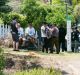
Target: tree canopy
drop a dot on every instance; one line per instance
(4, 7)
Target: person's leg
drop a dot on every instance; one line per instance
(72, 46)
(14, 45)
(17, 45)
(51, 45)
(14, 42)
(57, 45)
(17, 41)
(43, 41)
(46, 44)
(60, 44)
(63, 45)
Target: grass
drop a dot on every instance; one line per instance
(39, 71)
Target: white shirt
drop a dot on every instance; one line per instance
(30, 31)
(43, 34)
(20, 31)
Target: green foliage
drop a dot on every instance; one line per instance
(7, 18)
(3, 7)
(2, 61)
(1, 21)
(58, 15)
(34, 12)
(38, 12)
(40, 72)
(77, 10)
(77, 13)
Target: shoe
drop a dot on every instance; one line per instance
(57, 53)
(15, 50)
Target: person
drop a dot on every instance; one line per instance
(14, 32)
(44, 37)
(62, 41)
(20, 30)
(21, 34)
(55, 38)
(75, 39)
(30, 31)
(49, 30)
(30, 34)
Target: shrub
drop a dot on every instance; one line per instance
(7, 18)
(1, 21)
(77, 13)
(40, 71)
(2, 61)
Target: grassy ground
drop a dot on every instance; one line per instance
(47, 60)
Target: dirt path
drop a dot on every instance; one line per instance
(68, 63)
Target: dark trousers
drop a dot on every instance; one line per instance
(45, 44)
(62, 42)
(55, 41)
(75, 45)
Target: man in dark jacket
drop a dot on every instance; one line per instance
(62, 34)
(75, 39)
(55, 38)
(14, 32)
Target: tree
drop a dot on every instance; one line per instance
(4, 8)
(34, 12)
(77, 13)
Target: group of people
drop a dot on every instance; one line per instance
(19, 36)
(52, 37)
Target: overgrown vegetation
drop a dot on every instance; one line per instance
(4, 8)
(7, 18)
(2, 61)
(40, 71)
(36, 11)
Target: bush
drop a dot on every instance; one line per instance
(34, 12)
(40, 71)
(1, 21)
(77, 13)
(2, 61)
(7, 18)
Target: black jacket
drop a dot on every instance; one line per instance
(75, 35)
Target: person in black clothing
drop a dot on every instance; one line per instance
(14, 32)
(75, 39)
(62, 34)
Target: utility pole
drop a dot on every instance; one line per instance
(68, 20)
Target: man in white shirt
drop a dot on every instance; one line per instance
(30, 35)
(30, 31)
(44, 37)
